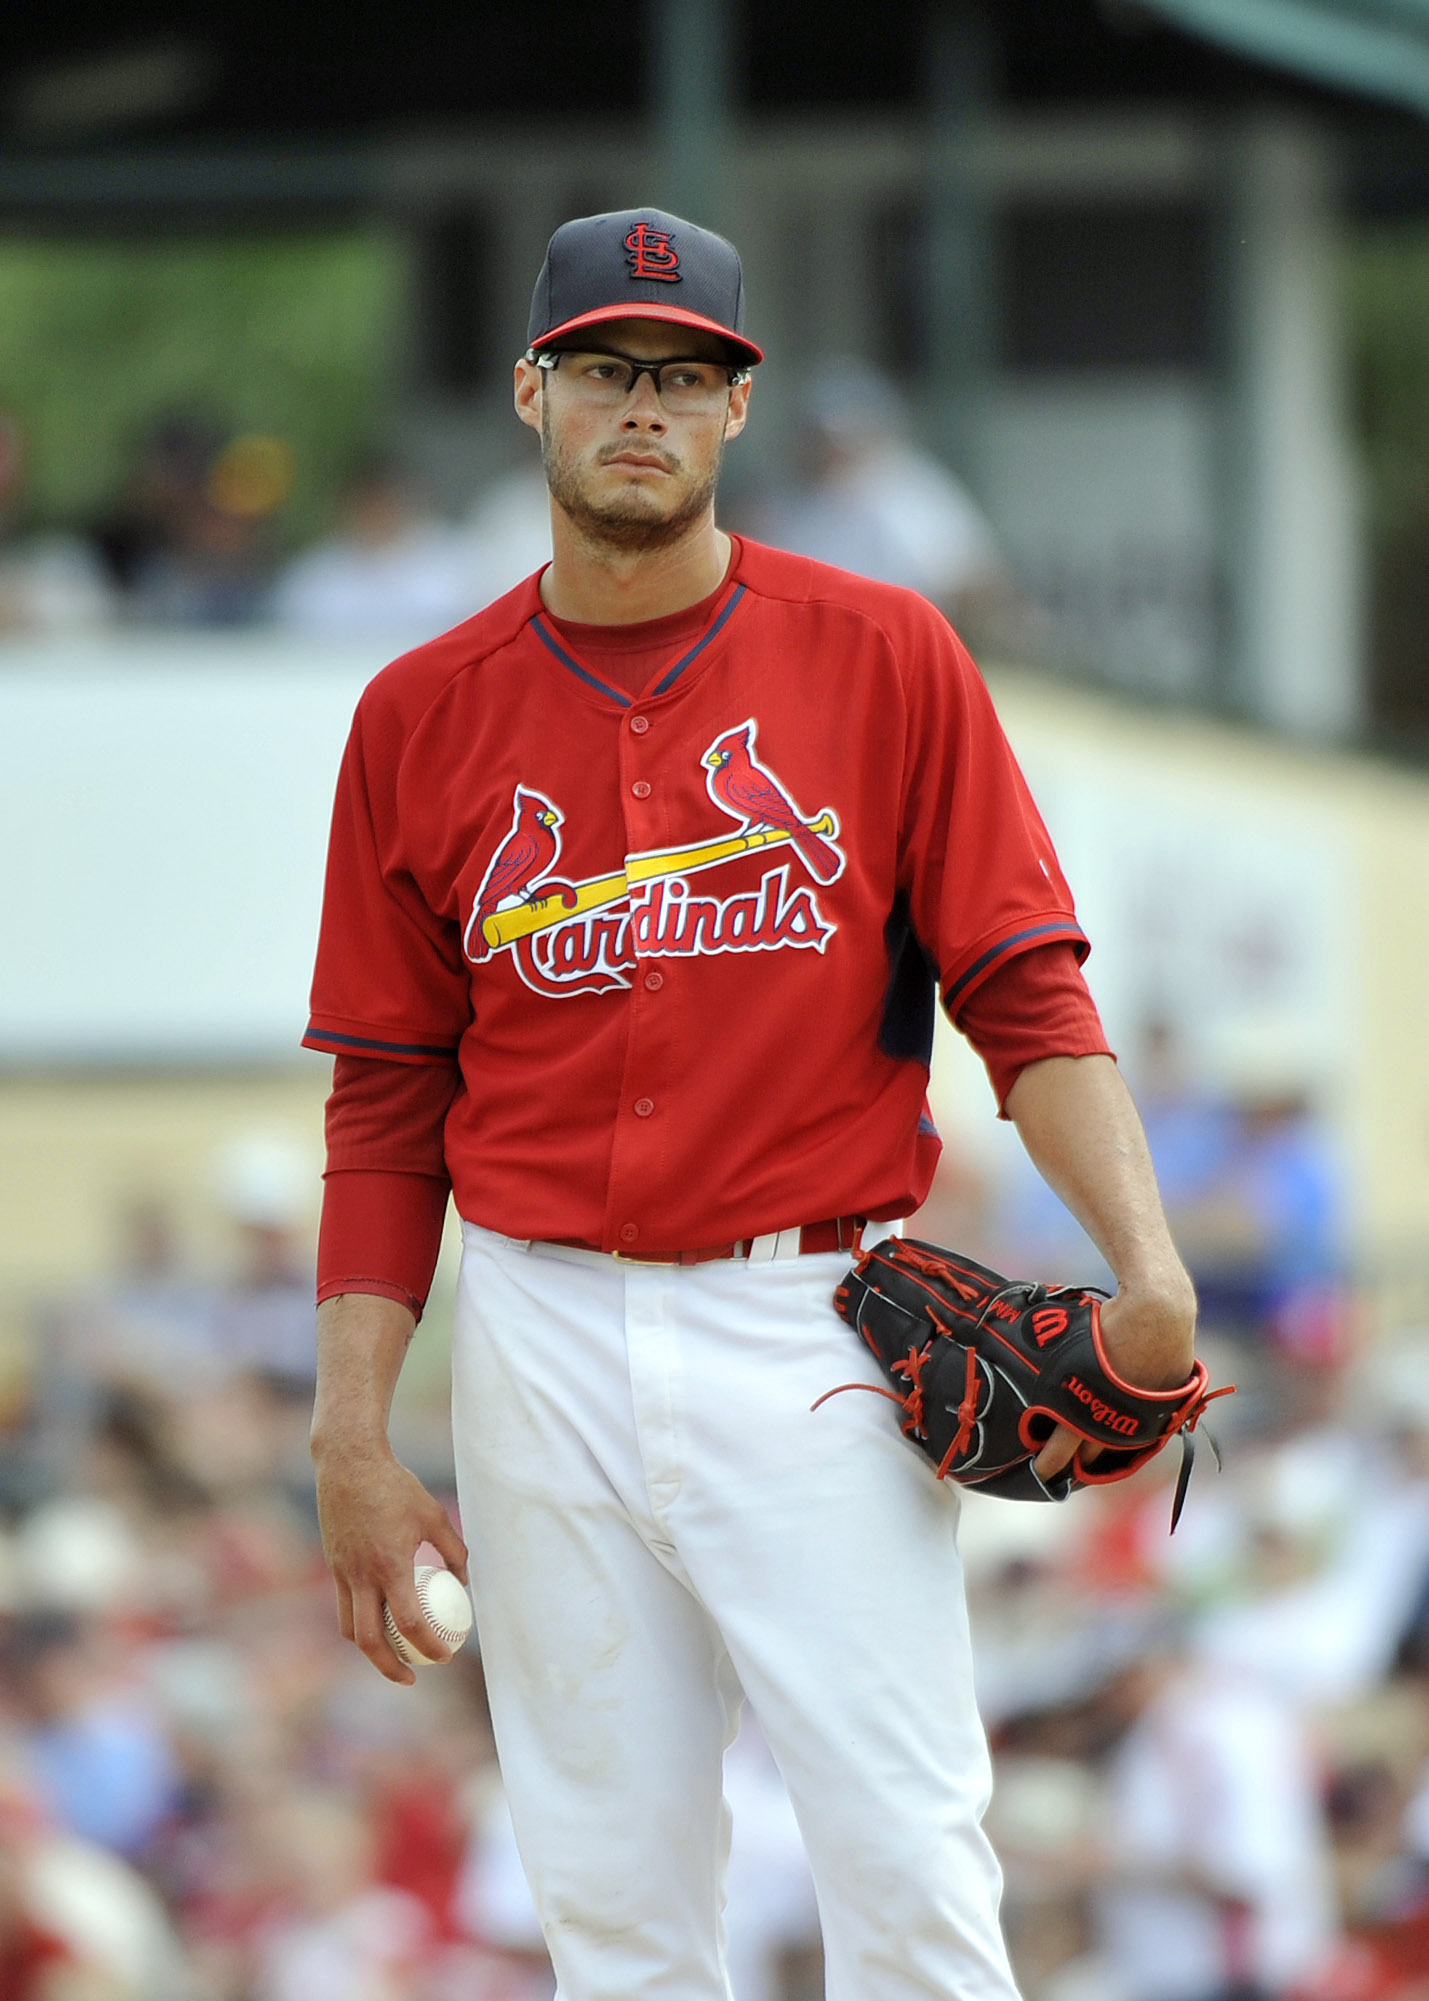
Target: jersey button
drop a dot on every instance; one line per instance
(644, 1107)
(641, 788)
(629, 1232)
(639, 725)
(654, 982)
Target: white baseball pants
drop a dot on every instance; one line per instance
(657, 1524)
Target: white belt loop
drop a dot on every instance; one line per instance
(776, 1246)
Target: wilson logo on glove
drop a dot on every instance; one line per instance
(1104, 1413)
(962, 1349)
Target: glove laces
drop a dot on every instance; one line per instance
(911, 1403)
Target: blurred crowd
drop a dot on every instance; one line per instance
(196, 538)
(1212, 1750)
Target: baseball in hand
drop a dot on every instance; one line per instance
(446, 1607)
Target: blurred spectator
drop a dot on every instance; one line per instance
(392, 565)
(494, 1906)
(48, 582)
(164, 483)
(189, 542)
(1188, 1127)
(1263, 1229)
(36, 1962)
(508, 534)
(1335, 1545)
(1253, 1186)
(1046, 1819)
(265, 1318)
(157, 1327)
(76, 1924)
(1217, 1878)
(93, 1738)
(870, 500)
(337, 1934)
(147, 1322)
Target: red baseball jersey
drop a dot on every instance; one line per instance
(685, 943)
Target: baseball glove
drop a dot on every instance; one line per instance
(983, 1369)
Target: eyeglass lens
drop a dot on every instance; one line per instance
(679, 384)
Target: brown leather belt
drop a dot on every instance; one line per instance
(838, 1233)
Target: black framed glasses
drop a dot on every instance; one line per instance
(605, 377)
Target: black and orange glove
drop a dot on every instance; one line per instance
(984, 1368)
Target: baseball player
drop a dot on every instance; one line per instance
(643, 884)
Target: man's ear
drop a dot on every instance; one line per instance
(529, 387)
(738, 410)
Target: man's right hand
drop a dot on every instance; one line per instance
(374, 1514)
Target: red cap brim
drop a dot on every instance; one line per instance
(674, 315)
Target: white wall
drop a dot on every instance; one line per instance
(164, 808)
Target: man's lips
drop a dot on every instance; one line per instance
(639, 462)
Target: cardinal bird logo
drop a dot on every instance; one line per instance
(525, 858)
(749, 792)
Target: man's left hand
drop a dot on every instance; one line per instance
(1149, 1339)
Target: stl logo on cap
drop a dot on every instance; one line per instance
(651, 254)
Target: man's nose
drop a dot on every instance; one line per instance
(645, 411)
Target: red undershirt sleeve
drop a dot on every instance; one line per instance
(386, 1185)
(1035, 1004)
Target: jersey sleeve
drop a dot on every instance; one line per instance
(1032, 1005)
(390, 979)
(982, 878)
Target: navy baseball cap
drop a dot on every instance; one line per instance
(640, 264)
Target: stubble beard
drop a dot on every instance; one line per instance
(627, 523)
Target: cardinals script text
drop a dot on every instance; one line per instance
(588, 937)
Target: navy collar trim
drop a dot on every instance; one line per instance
(549, 640)
(667, 680)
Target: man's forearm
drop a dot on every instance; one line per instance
(1084, 1135)
(362, 1343)
(373, 1513)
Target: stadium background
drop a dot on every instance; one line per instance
(1153, 281)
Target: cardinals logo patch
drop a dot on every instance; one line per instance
(587, 936)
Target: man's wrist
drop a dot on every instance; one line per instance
(1165, 1307)
(1158, 1283)
(348, 1438)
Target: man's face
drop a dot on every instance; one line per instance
(635, 475)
